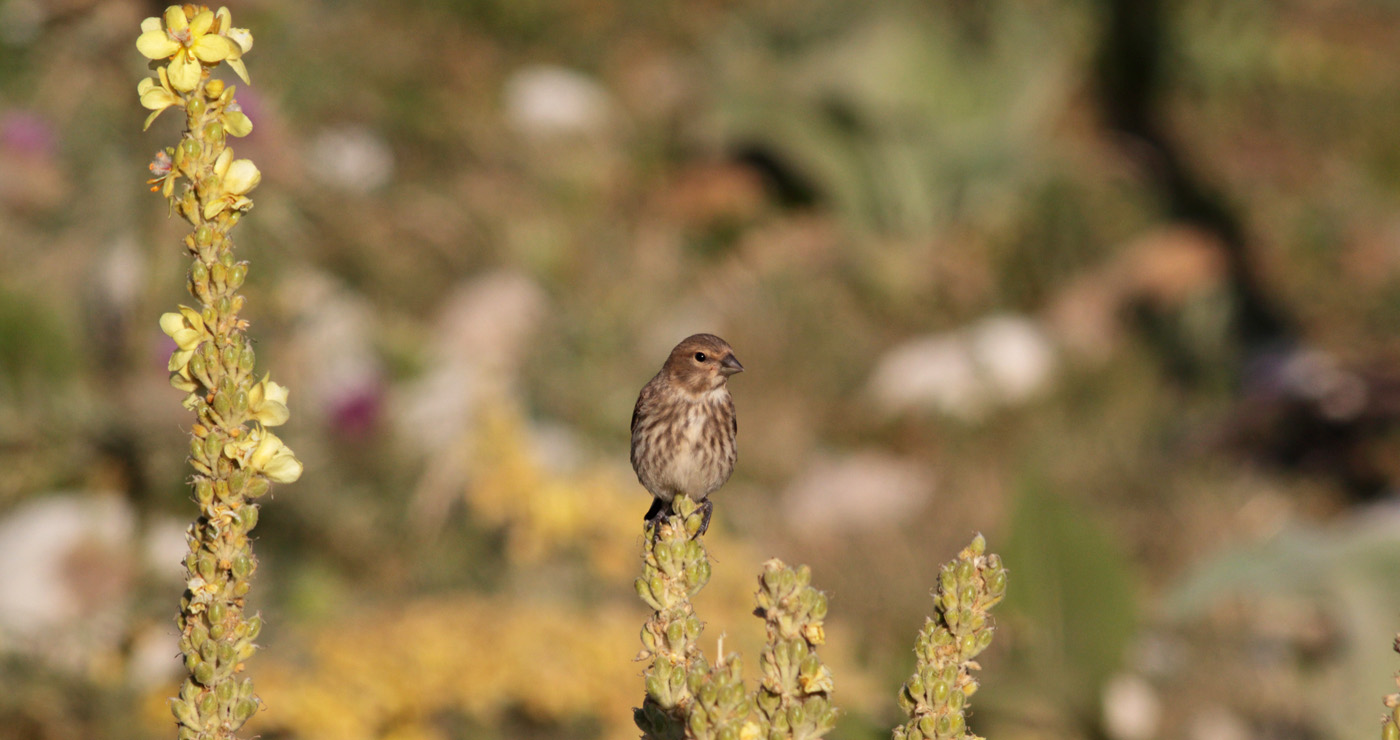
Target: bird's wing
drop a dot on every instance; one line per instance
(644, 400)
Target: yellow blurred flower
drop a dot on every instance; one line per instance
(156, 95)
(274, 459)
(188, 330)
(236, 178)
(267, 402)
(235, 121)
(242, 41)
(186, 42)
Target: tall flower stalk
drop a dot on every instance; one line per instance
(935, 697)
(234, 455)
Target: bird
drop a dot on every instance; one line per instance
(684, 426)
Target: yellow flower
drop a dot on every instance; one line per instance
(186, 42)
(236, 178)
(242, 44)
(156, 96)
(188, 330)
(235, 121)
(275, 460)
(267, 402)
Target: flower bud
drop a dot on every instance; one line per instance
(214, 133)
(204, 671)
(220, 274)
(184, 712)
(257, 487)
(245, 709)
(249, 517)
(214, 88)
(221, 406)
(204, 490)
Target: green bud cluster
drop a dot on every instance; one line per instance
(675, 568)
(935, 697)
(721, 702)
(794, 695)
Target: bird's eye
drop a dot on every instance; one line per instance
(699, 356)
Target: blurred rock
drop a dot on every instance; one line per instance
(351, 159)
(1000, 360)
(865, 490)
(549, 102)
(1132, 710)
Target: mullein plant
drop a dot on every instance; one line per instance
(234, 454)
(1390, 721)
(686, 698)
(935, 697)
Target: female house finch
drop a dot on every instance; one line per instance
(683, 427)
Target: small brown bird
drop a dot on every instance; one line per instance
(683, 427)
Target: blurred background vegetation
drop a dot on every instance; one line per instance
(1116, 282)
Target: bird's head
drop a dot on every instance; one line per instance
(702, 363)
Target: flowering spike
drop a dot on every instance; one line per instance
(234, 456)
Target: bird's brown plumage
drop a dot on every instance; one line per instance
(684, 426)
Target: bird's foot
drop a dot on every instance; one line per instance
(708, 507)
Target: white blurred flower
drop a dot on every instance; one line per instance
(544, 102)
(1131, 708)
(859, 491)
(997, 361)
(351, 159)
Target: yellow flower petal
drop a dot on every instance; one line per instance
(221, 164)
(236, 123)
(185, 384)
(241, 177)
(274, 391)
(180, 361)
(240, 36)
(150, 24)
(214, 208)
(201, 23)
(156, 44)
(185, 73)
(284, 468)
(175, 18)
(275, 460)
(273, 414)
(151, 119)
(237, 65)
(171, 323)
(154, 97)
(212, 48)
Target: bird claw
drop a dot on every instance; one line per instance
(708, 507)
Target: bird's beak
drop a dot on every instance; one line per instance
(730, 365)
